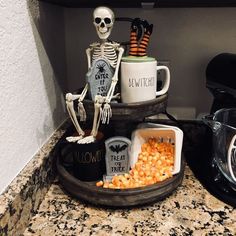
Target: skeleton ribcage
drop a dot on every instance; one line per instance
(107, 52)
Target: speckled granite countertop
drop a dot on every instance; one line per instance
(190, 210)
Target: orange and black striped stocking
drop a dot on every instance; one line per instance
(142, 50)
(133, 49)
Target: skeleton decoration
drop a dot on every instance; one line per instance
(103, 65)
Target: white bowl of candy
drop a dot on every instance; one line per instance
(158, 145)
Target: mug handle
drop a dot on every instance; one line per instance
(167, 80)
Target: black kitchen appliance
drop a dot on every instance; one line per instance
(221, 81)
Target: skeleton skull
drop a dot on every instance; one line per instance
(103, 20)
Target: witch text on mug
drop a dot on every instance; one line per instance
(141, 82)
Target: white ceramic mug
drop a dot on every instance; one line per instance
(139, 81)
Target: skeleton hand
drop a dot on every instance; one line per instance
(81, 111)
(106, 113)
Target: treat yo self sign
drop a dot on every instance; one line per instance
(117, 155)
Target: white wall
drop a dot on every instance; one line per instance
(188, 37)
(32, 69)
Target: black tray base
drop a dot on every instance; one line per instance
(118, 198)
(112, 198)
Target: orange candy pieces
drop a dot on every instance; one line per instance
(155, 164)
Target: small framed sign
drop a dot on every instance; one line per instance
(117, 155)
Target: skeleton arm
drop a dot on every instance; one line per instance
(81, 110)
(88, 53)
(107, 113)
(84, 92)
(71, 97)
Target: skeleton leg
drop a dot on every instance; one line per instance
(97, 114)
(70, 108)
(81, 110)
(107, 112)
(96, 120)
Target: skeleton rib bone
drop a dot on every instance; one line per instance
(108, 51)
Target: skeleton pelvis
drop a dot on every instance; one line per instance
(99, 77)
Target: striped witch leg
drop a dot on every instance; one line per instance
(133, 49)
(142, 50)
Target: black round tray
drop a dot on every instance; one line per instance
(122, 113)
(89, 192)
(131, 111)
